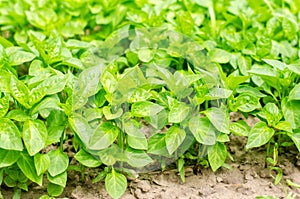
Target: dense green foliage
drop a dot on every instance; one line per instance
(98, 72)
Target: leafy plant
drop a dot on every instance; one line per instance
(142, 84)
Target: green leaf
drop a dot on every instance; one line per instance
(159, 120)
(174, 138)
(19, 91)
(239, 128)
(145, 108)
(115, 184)
(109, 115)
(157, 145)
(145, 54)
(18, 115)
(259, 135)
(275, 63)
(54, 189)
(34, 136)
(220, 56)
(59, 162)
(81, 127)
(178, 112)
(8, 157)
(291, 112)
(104, 135)
(41, 163)
(56, 123)
(137, 158)
(26, 164)
(87, 86)
(296, 139)
(4, 105)
(46, 105)
(218, 93)
(247, 103)
(284, 126)
(60, 179)
(17, 56)
(217, 155)
(135, 137)
(86, 159)
(203, 130)
(50, 86)
(273, 115)
(10, 136)
(109, 156)
(219, 118)
(295, 93)
(250, 90)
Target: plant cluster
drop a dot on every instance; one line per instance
(139, 84)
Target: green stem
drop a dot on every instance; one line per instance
(212, 19)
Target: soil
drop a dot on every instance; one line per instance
(248, 177)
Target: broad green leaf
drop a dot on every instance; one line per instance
(86, 159)
(81, 127)
(239, 128)
(60, 179)
(219, 118)
(19, 91)
(247, 103)
(145, 55)
(145, 108)
(41, 163)
(294, 68)
(86, 86)
(109, 82)
(17, 56)
(137, 158)
(8, 157)
(139, 94)
(135, 137)
(115, 184)
(50, 86)
(34, 136)
(157, 145)
(174, 138)
(159, 120)
(222, 137)
(4, 105)
(273, 115)
(295, 93)
(284, 126)
(178, 112)
(56, 124)
(26, 164)
(291, 112)
(203, 130)
(10, 136)
(18, 115)
(59, 162)
(104, 135)
(109, 115)
(217, 155)
(54, 189)
(109, 156)
(220, 56)
(234, 81)
(275, 63)
(46, 105)
(250, 90)
(296, 139)
(218, 93)
(259, 135)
